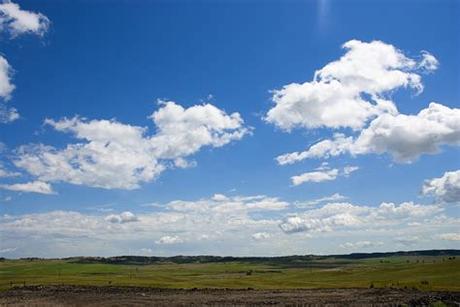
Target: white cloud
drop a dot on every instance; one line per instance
(219, 197)
(450, 236)
(404, 137)
(169, 240)
(322, 174)
(324, 149)
(316, 176)
(347, 170)
(360, 245)
(7, 114)
(350, 91)
(428, 62)
(223, 204)
(6, 87)
(222, 227)
(332, 198)
(7, 250)
(336, 216)
(445, 188)
(18, 21)
(29, 187)
(124, 217)
(5, 173)
(259, 236)
(115, 155)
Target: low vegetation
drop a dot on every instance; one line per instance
(435, 271)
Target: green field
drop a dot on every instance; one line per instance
(422, 272)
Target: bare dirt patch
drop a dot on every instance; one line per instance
(136, 296)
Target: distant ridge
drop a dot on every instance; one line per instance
(291, 260)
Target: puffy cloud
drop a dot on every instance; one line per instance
(116, 155)
(450, 236)
(222, 227)
(323, 174)
(316, 176)
(335, 216)
(6, 87)
(219, 197)
(213, 226)
(428, 62)
(182, 132)
(445, 188)
(7, 114)
(124, 217)
(324, 149)
(404, 210)
(350, 91)
(169, 240)
(404, 137)
(30, 187)
(360, 245)
(259, 236)
(18, 21)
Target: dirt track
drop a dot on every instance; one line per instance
(133, 296)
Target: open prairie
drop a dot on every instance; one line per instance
(186, 280)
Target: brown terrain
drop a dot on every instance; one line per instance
(136, 296)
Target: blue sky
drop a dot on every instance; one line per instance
(197, 64)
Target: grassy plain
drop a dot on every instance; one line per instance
(421, 272)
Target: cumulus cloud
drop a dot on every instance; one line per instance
(221, 227)
(445, 188)
(116, 155)
(169, 240)
(404, 137)
(18, 21)
(7, 114)
(124, 217)
(316, 176)
(350, 91)
(336, 216)
(6, 87)
(323, 174)
(29, 187)
(428, 62)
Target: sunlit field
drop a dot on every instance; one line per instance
(425, 273)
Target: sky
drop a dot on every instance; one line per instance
(228, 127)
